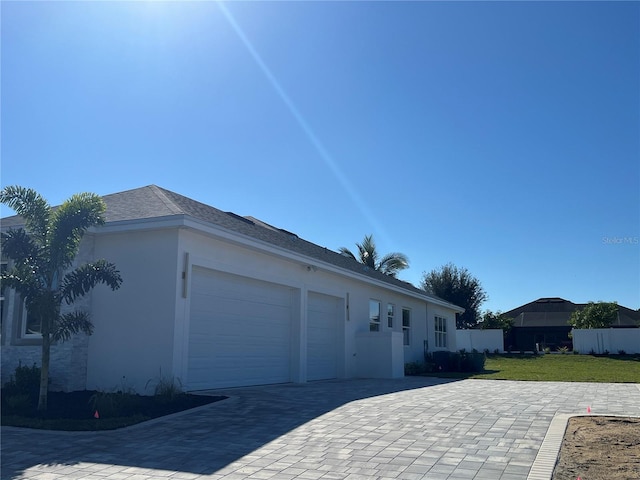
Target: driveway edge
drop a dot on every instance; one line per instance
(547, 457)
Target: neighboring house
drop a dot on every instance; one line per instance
(219, 300)
(545, 322)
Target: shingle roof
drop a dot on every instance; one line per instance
(155, 202)
(555, 312)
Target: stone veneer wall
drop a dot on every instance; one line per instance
(68, 365)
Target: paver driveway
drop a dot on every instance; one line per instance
(409, 428)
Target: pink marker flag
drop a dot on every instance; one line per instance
(588, 411)
(96, 415)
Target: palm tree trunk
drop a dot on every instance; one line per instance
(44, 372)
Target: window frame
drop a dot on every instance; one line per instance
(24, 323)
(374, 320)
(440, 328)
(391, 313)
(406, 326)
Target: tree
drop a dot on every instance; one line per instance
(368, 255)
(42, 256)
(496, 320)
(595, 315)
(458, 286)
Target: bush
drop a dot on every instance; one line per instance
(18, 404)
(165, 387)
(461, 361)
(472, 362)
(25, 380)
(563, 350)
(413, 368)
(20, 393)
(113, 404)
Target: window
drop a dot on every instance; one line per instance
(406, 326)
(374, 316)
(29, 327)
(391, 311)
(441, 332)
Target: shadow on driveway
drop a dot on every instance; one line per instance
(199, 442)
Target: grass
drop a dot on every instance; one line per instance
(75, 410)
(557, 368)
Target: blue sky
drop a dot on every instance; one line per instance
(502, 136)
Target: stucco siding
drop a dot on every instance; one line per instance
(134, 326)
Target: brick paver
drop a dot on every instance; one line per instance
(411, 428)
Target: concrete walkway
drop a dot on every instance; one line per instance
(358, 429)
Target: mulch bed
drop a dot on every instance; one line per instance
(91, 410)
(600, 448)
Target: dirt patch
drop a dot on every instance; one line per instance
(600, 448)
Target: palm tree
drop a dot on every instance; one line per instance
(42, 255)
(389, 264)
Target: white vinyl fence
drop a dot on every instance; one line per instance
(480, 340)
(601, 340)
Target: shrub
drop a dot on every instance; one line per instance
(113, 404)
(563, 350)
(24, 381)
(18, 404)
(496, 351)
(413, 368)
(621, 352)
(547, 350)
(472, 362)
(165, 387)
(576, 352)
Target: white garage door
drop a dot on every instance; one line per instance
(239, 332)
(322, 336)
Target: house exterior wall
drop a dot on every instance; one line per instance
(196, 248)
(142, 329)
(132, 344)
(68, 360)
(450, 317)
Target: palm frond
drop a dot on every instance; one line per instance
(392, 263)
(347, 253)
(368, 252)
(70, 222)
(31, 206)
(20, 247)
(70, 324)
(78, 282)
(21, 280)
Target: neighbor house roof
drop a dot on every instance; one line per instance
(153, 202)
(555, 312)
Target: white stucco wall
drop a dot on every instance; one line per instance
(612, 340)
(480, 340)
(206, 251)
(134, 326)
(142, 329)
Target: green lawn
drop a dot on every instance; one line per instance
(558, 368)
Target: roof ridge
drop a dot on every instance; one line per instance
(170, 204)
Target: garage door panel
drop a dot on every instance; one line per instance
(323, 320)
(240, 331)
